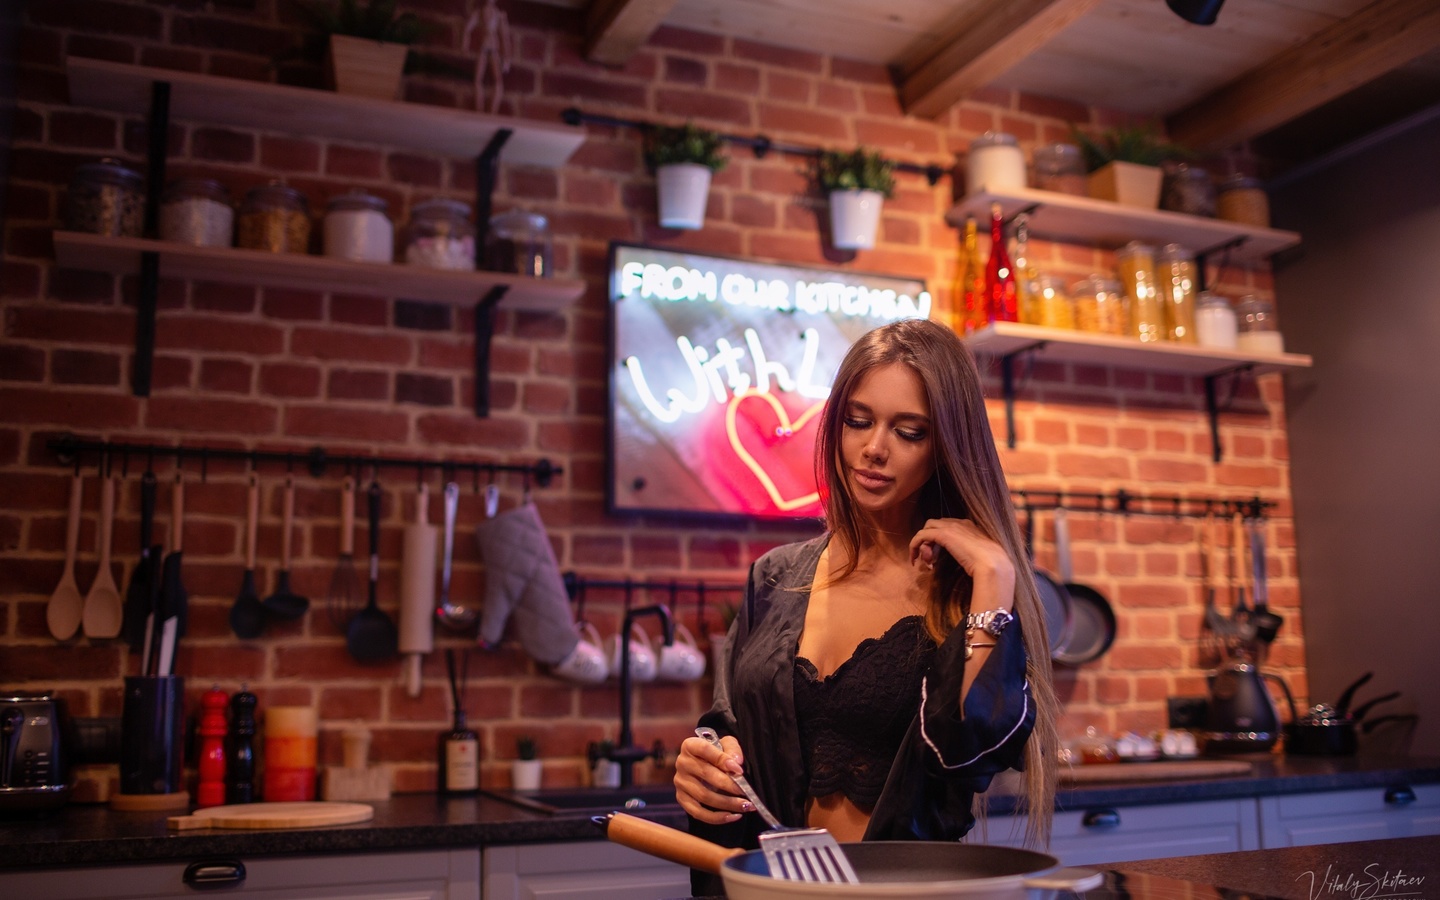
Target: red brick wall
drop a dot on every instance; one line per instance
(266, 368)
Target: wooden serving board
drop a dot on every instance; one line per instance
(306, 814)
(1161, 770)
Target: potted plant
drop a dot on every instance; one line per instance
(683, 157)
(368, 44)
(1124, 164)
(526, 767)
(858, 183)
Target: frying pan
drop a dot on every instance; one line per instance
(916, 870)
(1053, 598)
(1093, 628)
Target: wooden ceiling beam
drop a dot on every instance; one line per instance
(980, 48)
(615, 29)
(1381, 37)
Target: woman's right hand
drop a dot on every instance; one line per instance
(702, 780)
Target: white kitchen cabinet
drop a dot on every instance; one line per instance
(581, 870)
(1117, 834)
(420, 875)
(1365, 814)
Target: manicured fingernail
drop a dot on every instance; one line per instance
(747, 806)
(733, 817)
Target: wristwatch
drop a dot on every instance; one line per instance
(991, 621)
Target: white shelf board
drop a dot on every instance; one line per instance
(307, 112)
(1060, 345)
(1066, 217)
(121, 256)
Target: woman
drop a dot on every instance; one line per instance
(879, 676)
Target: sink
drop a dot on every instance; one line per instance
(591, 801)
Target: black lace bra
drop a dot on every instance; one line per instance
(852, 722)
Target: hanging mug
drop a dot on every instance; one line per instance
(586, 663)
(642, 659)
(682, 660)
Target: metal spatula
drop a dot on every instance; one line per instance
(793, 854)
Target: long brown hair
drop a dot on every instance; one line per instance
(968, 483)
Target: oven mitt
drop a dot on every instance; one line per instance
(523, 578)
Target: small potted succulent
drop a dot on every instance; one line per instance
(525, 769)
(368, 43)
(1124, 164)
(858, 183)
(683, 158)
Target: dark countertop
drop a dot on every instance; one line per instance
(96, 835)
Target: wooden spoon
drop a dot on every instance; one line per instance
(63, 612)
(104, 607)
(247, 616)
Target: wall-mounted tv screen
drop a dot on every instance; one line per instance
(719, 368)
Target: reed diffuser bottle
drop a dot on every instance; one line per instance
(459, 763)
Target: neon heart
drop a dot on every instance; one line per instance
(785, 430)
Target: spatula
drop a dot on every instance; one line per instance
(247, 615)
(137, 596)
(104, 608)
(62, 613)
(284, 602)
(371, 636)
(793, 854)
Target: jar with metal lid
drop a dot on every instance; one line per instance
(1243, 200)
(1175, 277)
(1214, 321)
(1051, 302)
(197, 211)
(1100, 306)
(1059, 167)
(106, 198)
(995, 164)
(276, 218)
(357, 228)
(1187, 189)
(440, 236)
(1255, 321)
(519, 242)
(1135, 263)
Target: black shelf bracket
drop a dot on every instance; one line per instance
(484, 331)
(487, 167)
(1212, 406)
(142, 366)
(1007, 387)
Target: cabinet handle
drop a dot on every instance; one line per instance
(1101, 818)
(1404, 795)
(214, 873)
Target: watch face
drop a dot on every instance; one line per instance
(998, 620)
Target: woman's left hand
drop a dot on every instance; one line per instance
(983, 559)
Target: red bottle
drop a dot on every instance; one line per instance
(1000, 301)
(211, 789)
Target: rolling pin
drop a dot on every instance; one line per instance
(417, 592)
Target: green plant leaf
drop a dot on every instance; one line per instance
(855, 170)
(689, 143)
(1140, 144)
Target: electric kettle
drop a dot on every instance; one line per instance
(1242, 717)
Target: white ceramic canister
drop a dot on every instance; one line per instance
(357, 228)
(995, 164)
(1215, 321)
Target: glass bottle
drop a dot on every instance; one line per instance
(1135, 263)
(999, 275)
(1024, 273)
(973, 297)
(1175, 275)
(459, 769)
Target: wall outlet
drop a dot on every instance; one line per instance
(1187, 712)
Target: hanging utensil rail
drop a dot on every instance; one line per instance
(1125, 503)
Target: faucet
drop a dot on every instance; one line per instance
(625, 752)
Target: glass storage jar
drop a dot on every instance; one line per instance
(1100, 306)
(1135, 263)
(1255, 321)
(519, 242)
(106, 198)
(1060, 167)
(440, 236)
(1051, 302)
(995, 164)
(1214, 321)
(274, 217)
(1175, 276)
(1243, 200)
(357, 228)
(1187, 189)
(197, 211)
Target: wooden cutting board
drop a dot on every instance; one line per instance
(1100, 773)
(307, 814)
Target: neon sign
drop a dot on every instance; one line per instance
(720, 369)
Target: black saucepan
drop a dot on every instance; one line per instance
(1093, 629)
(1053, 598)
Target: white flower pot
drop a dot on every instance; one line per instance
(683, 190)
(525, 774)
(367, 68)
(854, 216)
(1127, 184)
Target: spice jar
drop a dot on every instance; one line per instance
(196, 211)
(1255, 320)
(1051, 302)
(1242, 200)
(276, 218)
(995, 164)
(440, 236)
(1061, 168)
(1214, 321)
(1135, 262)
(1175, 277)
(1100, 306)
(1187, 189)
(357, 228)
(518, 242)
(106, 198)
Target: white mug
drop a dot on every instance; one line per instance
(642, 659)
(682, 660)
(586, 663)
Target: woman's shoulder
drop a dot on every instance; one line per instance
(789, 565)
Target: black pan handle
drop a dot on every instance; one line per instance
(214, 873)
(1101, 818)
(1362, 709)
(1400, 795)
(1342, 706)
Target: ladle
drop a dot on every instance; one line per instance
(247, 616)
(285, 603)
(371, 636)
(67, 604)
(104, 607)
(452, 615)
